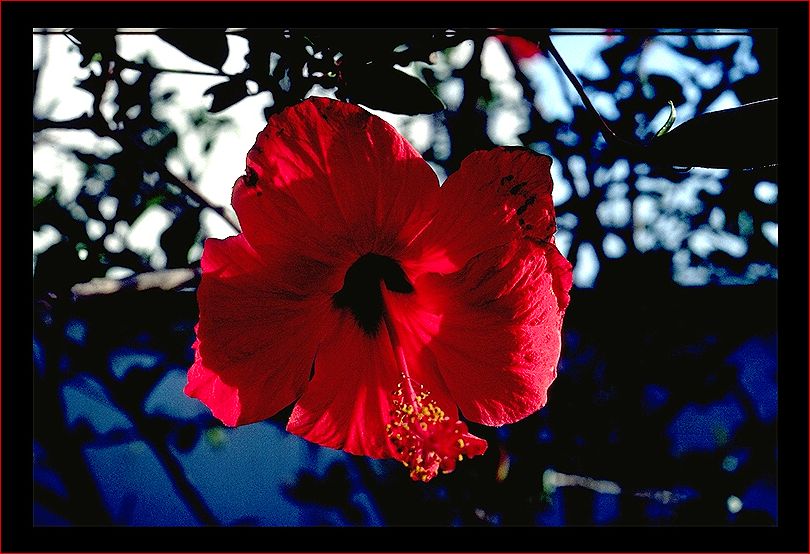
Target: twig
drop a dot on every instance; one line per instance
(606, 130)
(185, 489)
(120, 395)
(167, 279)
(126, 64)
(554, 479)
(192, 193)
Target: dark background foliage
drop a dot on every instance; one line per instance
(665, 408)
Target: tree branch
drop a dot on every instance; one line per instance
(554, 479)
(606, 130)
(166, 279)
(99, 127)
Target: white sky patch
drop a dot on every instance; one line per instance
(144, 233)
(562, 239)
(562, 188)
(441, 174)
(108, 206)
(461, 55)
(60, 73)
(161, 53)
(495, 64)
(226, 160)
(46, 237)
(504, 126)
(116, 272)
(620, 172)
(567, 220)
(580, 53)
(643, 239)
(54, 165)
(771, 232)
(195, 253)
(83, 140)
(214, 226)
(766, 192)
(114, 243)
(717, 218)
(614, 212)
(238, 47)
(587, 266)
(660, 58)
(613, 246)
(419, 132)
(551, 99)
(95, 229)
(723, 102)
(734, 504)
(451, 92)
(671, 231)
(577, 166)
(731, 244)
(605, 104)
(700, 242)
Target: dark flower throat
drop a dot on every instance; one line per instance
(361, 293)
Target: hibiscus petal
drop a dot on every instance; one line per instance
(348, 403)
(495, 197)
(499, 340)
(325, 177)
(255, 341)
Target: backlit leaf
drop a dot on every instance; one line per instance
(741, 137)
(387, 88)
(226, 94)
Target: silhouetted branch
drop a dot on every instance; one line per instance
(606, 130)
(167, 279)
(126, 64)
(555, 479)
(99, 126)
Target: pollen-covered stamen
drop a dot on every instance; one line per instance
(425, 439)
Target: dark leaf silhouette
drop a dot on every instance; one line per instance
(741, 137)
(94, 41)
(724, 54)
(209, 46)
(665, 88)
(177, 240)
(617, 54)
(387, 88)
(226, 94)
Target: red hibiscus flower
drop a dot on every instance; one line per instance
(521, 48)
(377, 301)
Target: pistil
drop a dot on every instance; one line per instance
(425, 439)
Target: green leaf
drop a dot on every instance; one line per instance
(669, 122)
(209, 46)
(387, 88)
(737, 138)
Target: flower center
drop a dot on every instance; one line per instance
(361, 293)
